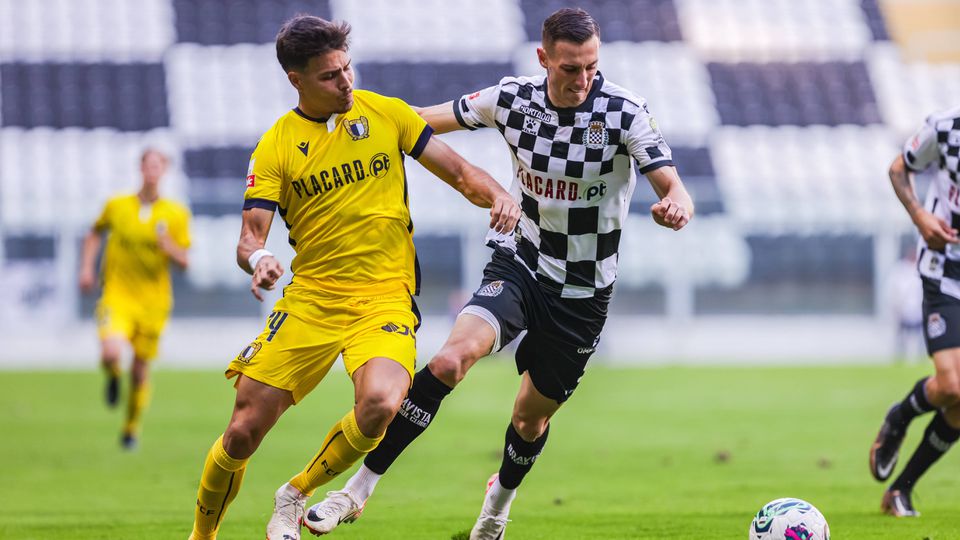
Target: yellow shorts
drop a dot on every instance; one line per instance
(128, 321)
(306, 333)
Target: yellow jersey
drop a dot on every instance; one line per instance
(134, 269)
(340, 186)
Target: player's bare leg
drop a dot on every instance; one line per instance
(380, 386)
(943, 392)
(929, 394)
(110, 350)
(526, 436)
(257, 408)
(137, 402)
(471, 339)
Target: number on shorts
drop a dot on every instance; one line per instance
(275, 320)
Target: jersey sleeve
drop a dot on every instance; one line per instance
(102, 224)
(478, 110)
(264, 175)
(920, 150)
(180, 228)
(414, 130)
(646, 144)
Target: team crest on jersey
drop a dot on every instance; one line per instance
(249, 352)
(359, 128)
(494, 288)
(936, 326)
(596, 136)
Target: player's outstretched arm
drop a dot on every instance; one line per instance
(251, 256)
(675, 208)
(934, 230)
(88, 260)
(178, 254)
(440, 117)
(474, 183)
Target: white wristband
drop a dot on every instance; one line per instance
(255, 258)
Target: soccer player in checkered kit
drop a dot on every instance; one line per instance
(937, 141)
(574, 137)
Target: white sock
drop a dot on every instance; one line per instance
(362, 483)
(498, 498)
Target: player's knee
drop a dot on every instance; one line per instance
(451, 363)
(241, 439)
(376, 409)
(529, 428)
(948, 388)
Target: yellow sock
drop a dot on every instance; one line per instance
(137, 403)
(219, 485)
(344, 445)
(113, 370)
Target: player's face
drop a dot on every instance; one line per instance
(325, 84)
(570, 70)
(153, 166)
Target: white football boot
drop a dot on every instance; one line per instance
(288, 506)
(491, 525)
(339, 507)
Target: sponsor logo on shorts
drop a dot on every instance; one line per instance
(936, 326)
(249, 352)
(394, 328)
(494, 288)
(586, 350)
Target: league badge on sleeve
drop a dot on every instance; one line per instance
(251, 178)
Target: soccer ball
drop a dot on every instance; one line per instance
(789, 519)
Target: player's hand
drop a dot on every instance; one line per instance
(504, 214)
(667, 213)
(934, 230)
(265, 276)
(87, 280)
(165, 242)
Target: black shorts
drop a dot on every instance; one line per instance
(941, 318)
(562, 333)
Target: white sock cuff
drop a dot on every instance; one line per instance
(362, 483)
(499, 498)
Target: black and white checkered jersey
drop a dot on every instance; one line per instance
(938, 141)
(574, 175)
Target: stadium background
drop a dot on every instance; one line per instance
(783, 115)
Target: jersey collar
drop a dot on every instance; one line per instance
(587, 104)
(330, 122)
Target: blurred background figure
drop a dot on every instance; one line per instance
(906, 301)
(145, 234)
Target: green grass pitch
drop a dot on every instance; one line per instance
(637, 453)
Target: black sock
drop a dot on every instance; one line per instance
(937, 439)
(519, 456)
(912, 406)
(415, 414)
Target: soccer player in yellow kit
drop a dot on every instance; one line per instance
(145, 233)
(333, 168)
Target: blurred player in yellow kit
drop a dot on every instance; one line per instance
(333, 167)
(145, 233)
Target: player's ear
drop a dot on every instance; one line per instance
(542, 57)
(294, 79)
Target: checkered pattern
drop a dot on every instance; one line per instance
(938, 141)
(574, 175)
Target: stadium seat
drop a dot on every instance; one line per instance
(429, 83)
(229, 22)
(765, 30)
(803, 93)
(473, 32)
(633, 20)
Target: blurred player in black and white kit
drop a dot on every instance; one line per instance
(937, 141)
(575, 138)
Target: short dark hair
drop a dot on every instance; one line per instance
(305, 36)
(151, 150)
(569, 24)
